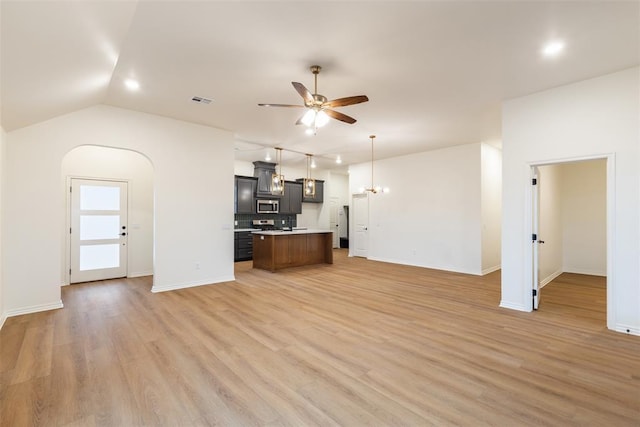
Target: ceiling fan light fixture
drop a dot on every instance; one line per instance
(321, 119)
(309, 118)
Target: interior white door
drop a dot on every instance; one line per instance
(98, 230)
(535, 238)
(333, 220)
(360, 205)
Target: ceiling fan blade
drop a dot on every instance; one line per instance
(339, 116)
(281, 105)
(304, 92)
(342, 102)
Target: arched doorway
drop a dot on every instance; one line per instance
(134, 171)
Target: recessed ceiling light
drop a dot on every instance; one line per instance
(553, 48)
(132, 84)
(338, 160)
(309, 131)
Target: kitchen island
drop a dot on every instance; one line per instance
(275, 250)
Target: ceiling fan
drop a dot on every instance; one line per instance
(319, 109)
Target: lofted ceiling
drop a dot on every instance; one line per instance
(435, 72)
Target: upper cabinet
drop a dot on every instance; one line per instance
(319, 196)
(291, 202)
(244, 195)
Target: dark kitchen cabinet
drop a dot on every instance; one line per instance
(245, 190)
(291, 202)
(243, 246)
(319, 197)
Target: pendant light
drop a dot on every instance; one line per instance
(277, 179)
(374, 189)
(309, 183)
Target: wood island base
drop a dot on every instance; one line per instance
(274, 251)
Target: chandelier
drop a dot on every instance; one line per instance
(374, 189)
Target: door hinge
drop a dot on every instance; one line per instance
(534, 181)
(534, 237)
(534, 292)
(69, 272)
(70, 189)
(69, 230)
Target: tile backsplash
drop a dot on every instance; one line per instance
(245, 220)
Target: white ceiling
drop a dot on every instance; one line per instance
(435, 72)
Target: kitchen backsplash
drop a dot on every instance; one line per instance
(245, 220)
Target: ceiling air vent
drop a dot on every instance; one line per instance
(201, 100)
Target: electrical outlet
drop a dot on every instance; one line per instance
(283, 222)
(235, 223)
(197, 266)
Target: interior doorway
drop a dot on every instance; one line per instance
(571, 205)
(360, 203)
(93, 164)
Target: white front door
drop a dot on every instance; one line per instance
(361, 225)
(98, 230)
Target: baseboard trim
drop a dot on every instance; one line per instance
(491, 269)
(411, 264)
(627, 329)
(585, 272)
(174, 287)
(140, 274)
(550, 278)
(513, 306)
(34, 309)
(3, 317)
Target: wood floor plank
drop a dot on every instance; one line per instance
(353, 343)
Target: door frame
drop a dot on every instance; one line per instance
(66, 278)
(611, 226)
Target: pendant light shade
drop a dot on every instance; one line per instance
(309, 183)
(277, 179)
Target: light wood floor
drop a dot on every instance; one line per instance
(354, 343)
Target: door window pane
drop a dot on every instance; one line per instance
(94, 257)
(99, 198)
(96, 227)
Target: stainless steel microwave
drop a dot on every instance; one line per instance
(267, 206)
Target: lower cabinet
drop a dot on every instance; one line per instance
(243, 246)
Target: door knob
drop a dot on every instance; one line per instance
(540, 241)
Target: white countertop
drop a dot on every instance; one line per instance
(244, 229)
(287, 233)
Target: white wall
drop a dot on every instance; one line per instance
(550, 223)
(432, 215)
(592, 118)
(584, 217)
(491, 206)
(3, 137)
(110, 163)
(193, 184)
